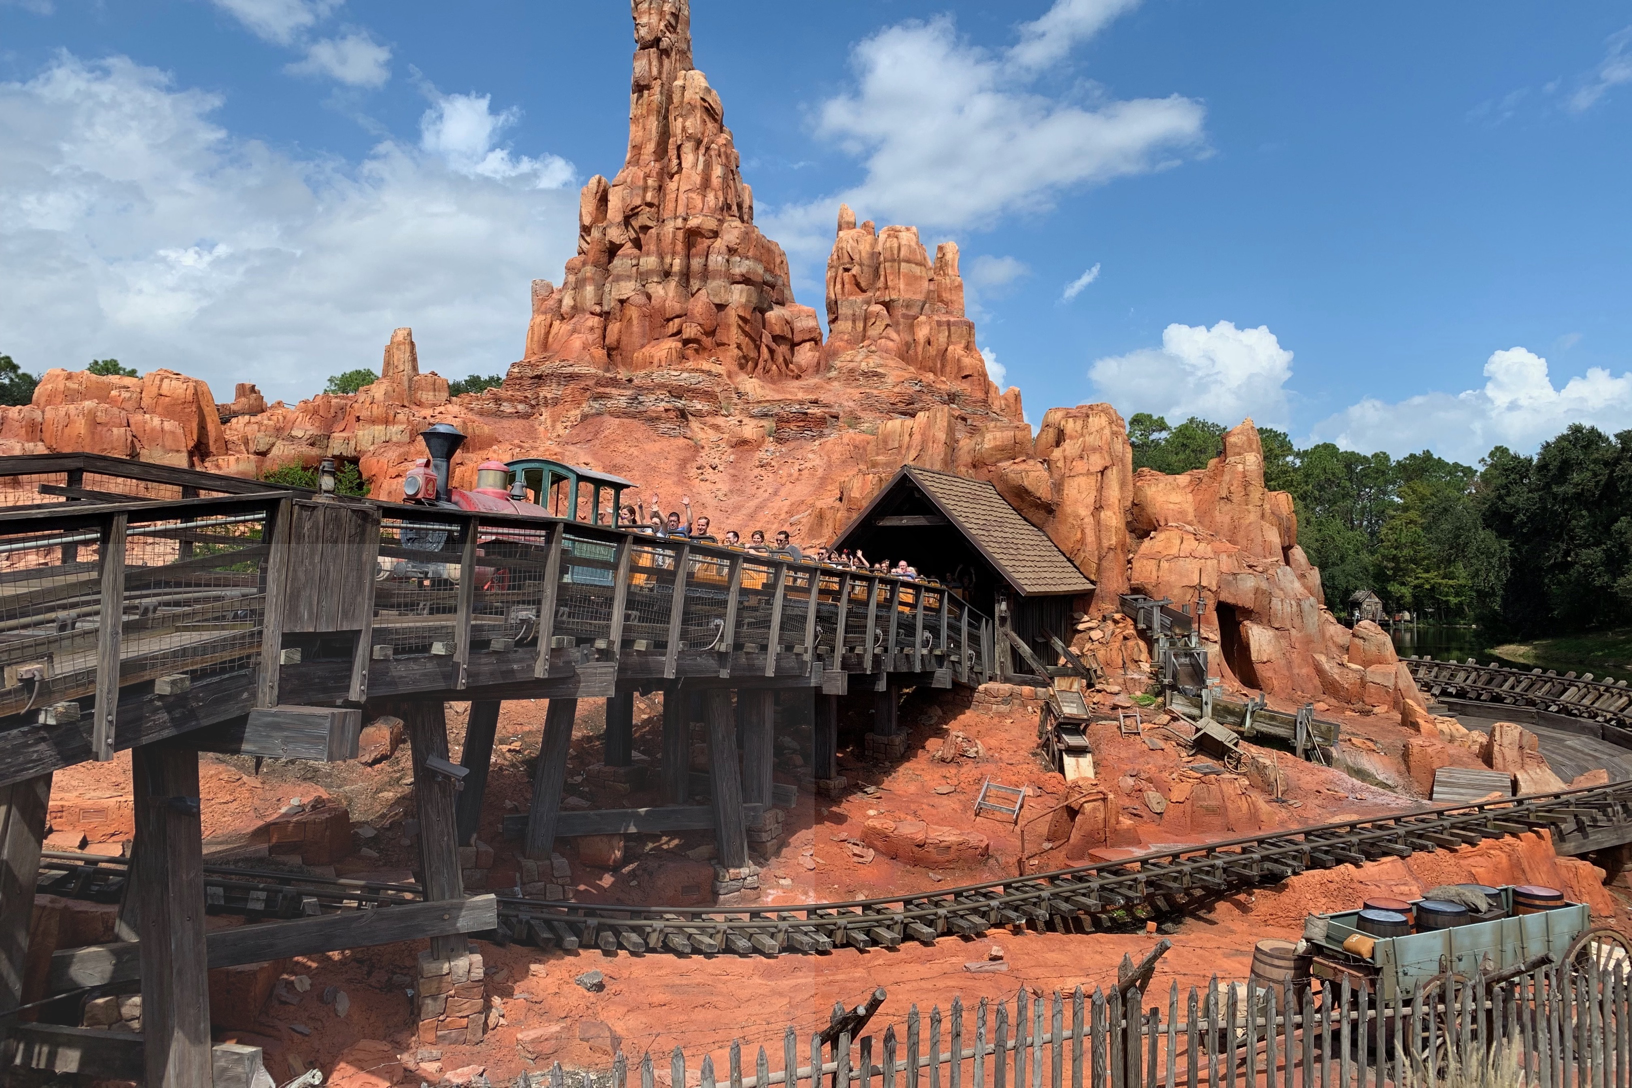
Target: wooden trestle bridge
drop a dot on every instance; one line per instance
(167, 611)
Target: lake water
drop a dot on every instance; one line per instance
(1461, 643)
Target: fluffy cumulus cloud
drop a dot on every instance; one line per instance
(951, 136)
(994, 369)
(1080, 284)
(1224, 374)
(354, 59)
(462, 129)
(278, 21)
(1615, 69)
(1518, 406)
(133, 225)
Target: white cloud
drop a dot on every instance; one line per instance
(278, 21)
(132, 225)
(1047, 40)
(1615, 69)
(355, 59)
(462, 129)
(1224, 374)
(994, 369)
(1518, 407)
(1080, 284)
(38, 7)
(952, 137)
(993, 272)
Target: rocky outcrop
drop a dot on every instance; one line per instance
(670, 267)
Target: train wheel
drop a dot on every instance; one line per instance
(1609, 947)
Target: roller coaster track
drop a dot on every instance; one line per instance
(1602, 700)
(1106, 895)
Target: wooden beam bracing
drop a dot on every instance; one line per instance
(550, 779)
(481, 727)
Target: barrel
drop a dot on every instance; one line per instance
(1383, 902)
(1533, 898)
(1438, 914)
(1383, 923)
(1278, 961)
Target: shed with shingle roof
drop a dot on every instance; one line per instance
(967, 534)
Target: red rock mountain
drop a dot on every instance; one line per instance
(674, 354)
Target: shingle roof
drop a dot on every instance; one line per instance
(1025, 555)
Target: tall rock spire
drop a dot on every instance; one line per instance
(670, 267)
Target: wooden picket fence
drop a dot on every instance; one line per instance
(1556, 1027)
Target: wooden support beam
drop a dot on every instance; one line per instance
(677, 611)
(759, 747)
(547, 598)
(811, 611)
(918, 628)
(427, 728)
(872, 625)
(620, 595)
(368, 554)
(117, 1055)
(619, 747)
(774, 635)
(730, 827)
(275, 579)
(23, 807)
(550, 779)
(109, 636)
(462, 632)
(844, 614)
(169, 869)
(728, 634)
(481, 726)
(675, 762)
(885, 710)
(895, 623)
(825, 738)
(322, 734)
(111, 964)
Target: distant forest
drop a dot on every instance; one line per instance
(1526, 546)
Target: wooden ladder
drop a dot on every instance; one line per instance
(1000, 800)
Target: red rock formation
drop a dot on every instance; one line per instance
(670, 267)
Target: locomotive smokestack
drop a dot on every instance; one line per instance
(442, 441)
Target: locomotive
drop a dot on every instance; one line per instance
(504, 488)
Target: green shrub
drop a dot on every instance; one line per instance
(476, 383)
(348, 478)
(16, 387)
(350, 381)
(110, 368)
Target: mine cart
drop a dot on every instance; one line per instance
(1063, 730)
(1393, 966)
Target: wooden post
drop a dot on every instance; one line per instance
(728, 634)
(480, 728)
(758, 750)
(774, 636)
(884, 711)
(918, 628)
(810, 616)
(550, 779)
(169, 871)
(619, 750)
(427, 728)
(825, 737)
(277, 574)
(112, 551)
(365, 636)
(677, 614)
(70, 552)
(546, 598)
(466, 604)
(844, 613)
(23, 808)
(872, 625)
(675, 766)
(620, 595)
(730, 830)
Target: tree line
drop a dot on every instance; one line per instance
(1523, 545)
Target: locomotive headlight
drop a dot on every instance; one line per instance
(411, 487)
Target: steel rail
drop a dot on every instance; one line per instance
(1602, 700)
(1097, 895)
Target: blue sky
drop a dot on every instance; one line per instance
(1395, 226)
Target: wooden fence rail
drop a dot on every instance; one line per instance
(1564, 1026)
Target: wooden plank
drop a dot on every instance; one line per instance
(728, 634)
(774, 635)
(758, 744)
(662, 820)
(427, 729)
(872, 625)
(1454, 784)
(810, 617)
(918, 632)
(895, 619)
(673, 766)
(620, 593)
(550, 779)
(23, 808)
(368, 557)
(677, 610)
(110, 636)
(481, 726)
(316, 733)
(111, 964)
(125, 469)
(467, 604)
(844, 614)
(730, 828)
(547, 599)
(108, 1055)
(169, 869)
(277, 574)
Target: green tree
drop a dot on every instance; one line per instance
(16, 387)
(474, 384)
(110, 368)
(350, 381)
(1170, 449)
(348, 478)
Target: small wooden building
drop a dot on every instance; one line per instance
(1365, 605)
(964, 533)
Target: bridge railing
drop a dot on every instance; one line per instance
(451, 581)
